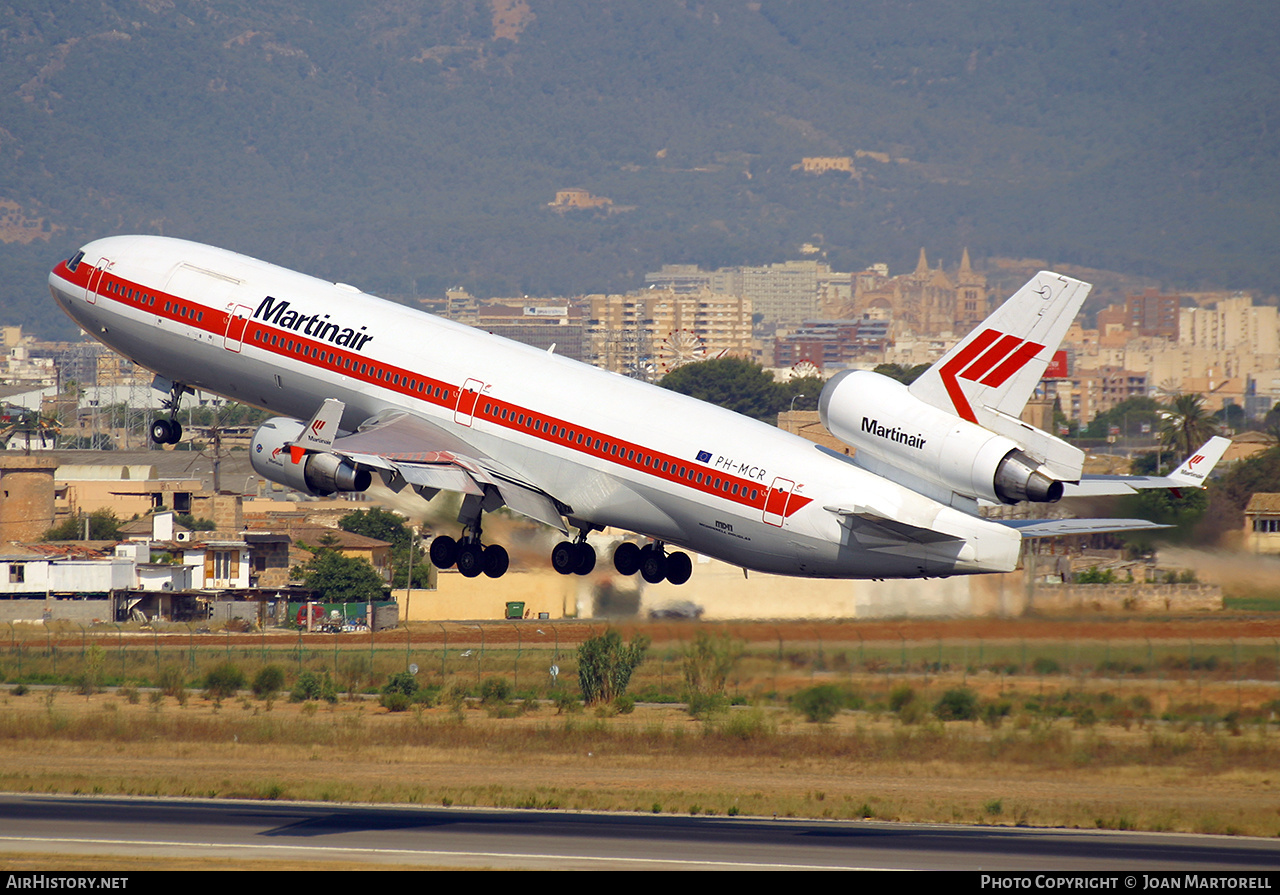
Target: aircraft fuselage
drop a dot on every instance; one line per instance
(616, 451)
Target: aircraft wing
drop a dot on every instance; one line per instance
(409, 450)
(1052, 528)
(1191, 474)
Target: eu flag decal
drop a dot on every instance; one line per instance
(704, 456)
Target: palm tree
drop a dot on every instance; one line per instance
(1187, 424)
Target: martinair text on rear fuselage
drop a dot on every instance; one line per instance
(604, 449)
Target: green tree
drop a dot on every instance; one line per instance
(905, 375)
(340, 579)
(103, 526)
(1188, 425)
(390, 527)
(733, 383)
(605, 665)
(1229, 495)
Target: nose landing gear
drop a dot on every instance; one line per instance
(169, 431)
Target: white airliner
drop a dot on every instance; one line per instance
(373, 388)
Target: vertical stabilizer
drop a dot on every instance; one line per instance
(993, 371)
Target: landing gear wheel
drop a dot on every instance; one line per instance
(626, 559)
(586, 558)
(679, 568)
(495, 561)
(564, 558)
(470, 560)
(443, 552)
(162, 432)
(653, 565)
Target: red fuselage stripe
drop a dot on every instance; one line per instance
(322, 355)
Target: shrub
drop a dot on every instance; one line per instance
(403, 682)
(957, 705)
(268, 682)
(173, 682)
(901, 697)
(1043, 665)
(703, 705)
(495, 691)
(566, 702)
(821, 703)
(311, 686)
(395, 701)
(709, 661)
(223, 680)
(605, 665)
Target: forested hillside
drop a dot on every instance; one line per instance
(407, 147)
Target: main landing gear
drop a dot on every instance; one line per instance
(169, 431)
(471, 557)
(576, 558)
(652, 562)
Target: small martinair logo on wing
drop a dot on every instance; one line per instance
(704, 456)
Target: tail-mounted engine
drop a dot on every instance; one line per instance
(886, 423)
(318, 474)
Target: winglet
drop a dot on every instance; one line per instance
(1195, 469)
(319, 432)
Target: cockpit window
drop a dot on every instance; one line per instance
(74, 261)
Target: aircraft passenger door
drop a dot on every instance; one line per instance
(775, 502)
(237, 319)
(95, 280)
(468, 395)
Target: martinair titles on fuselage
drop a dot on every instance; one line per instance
(317, 326)
(896, 435)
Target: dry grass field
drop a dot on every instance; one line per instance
(1186, 742)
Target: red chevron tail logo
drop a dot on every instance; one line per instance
(990, 359)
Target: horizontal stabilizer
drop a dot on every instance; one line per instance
(1193, 473)
(320, 431)
(1052, 528)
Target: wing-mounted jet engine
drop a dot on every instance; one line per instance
(276, 455)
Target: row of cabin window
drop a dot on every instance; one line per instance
(630, 455)
(147, 300)
(347, 363)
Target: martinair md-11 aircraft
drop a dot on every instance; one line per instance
(369, 388)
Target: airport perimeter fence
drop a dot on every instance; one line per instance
(539, 661)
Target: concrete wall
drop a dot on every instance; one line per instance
(722, 592)
(80, 611)
(719, 589)
(1130, 598)
(541, 590)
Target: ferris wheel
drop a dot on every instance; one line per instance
(679, 348)
(805, 369)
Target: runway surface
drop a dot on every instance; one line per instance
(460, 837)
